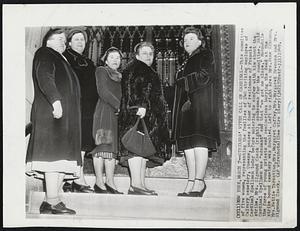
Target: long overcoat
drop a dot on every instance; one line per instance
(109, 91)
(85, 71)
(54, 139)
(141, 87)
(196, 82)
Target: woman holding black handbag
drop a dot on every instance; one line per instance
(142, 97)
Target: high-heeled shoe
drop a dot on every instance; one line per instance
(97, 189)
(81, 188)
(184, 194)
(67, 187)
(139, 191)
(152, 191)
(112, 190)
(198, 193)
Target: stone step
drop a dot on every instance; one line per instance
(216, 188)
(104, 206)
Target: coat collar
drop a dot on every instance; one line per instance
(77, 58)
(141, 66)
(197, 51)
(51, 50)
(55, 53)
(113, 74)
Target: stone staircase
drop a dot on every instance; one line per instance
(214, 206)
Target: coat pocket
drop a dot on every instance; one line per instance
(103, 136)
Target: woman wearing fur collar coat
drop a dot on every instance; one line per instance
(195, 124)
(142, 91)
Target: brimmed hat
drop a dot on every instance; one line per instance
(109, 50)
(192, 30)
(75, 31)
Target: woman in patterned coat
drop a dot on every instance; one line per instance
(105, 125)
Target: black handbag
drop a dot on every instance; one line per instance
(138, 142)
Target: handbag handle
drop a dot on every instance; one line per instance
(143, 124)
(145, 127)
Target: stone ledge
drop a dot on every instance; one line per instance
(166, 186)
(137, 207)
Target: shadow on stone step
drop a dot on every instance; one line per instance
(217, 167)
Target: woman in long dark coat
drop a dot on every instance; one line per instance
(105, 125)
(54, 146)
(195, 111)
(85, 71)
(141, 88)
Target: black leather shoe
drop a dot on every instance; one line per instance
(183, 194)
(198, 193)
(97, 189)
(139, 191)
(67, 187)
(45, 208)
(61, 208)
(112, 190)
(151, 191)
(81, 188)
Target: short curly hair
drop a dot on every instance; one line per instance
(110, 50)
(193, 30)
